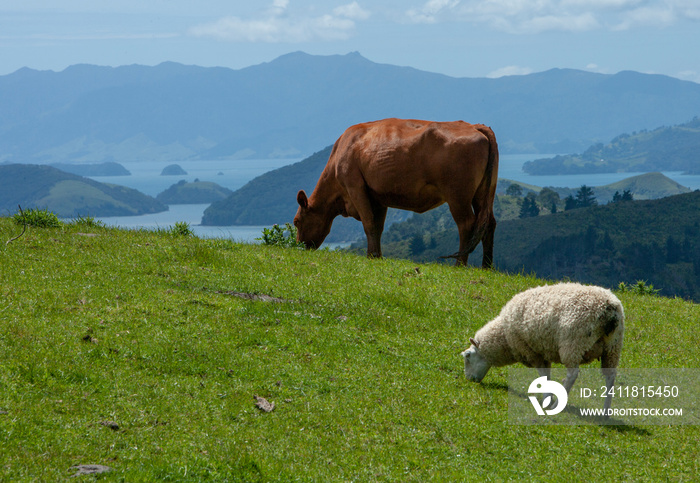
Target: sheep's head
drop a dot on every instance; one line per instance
(475, 365)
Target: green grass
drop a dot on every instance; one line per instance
(361, 360)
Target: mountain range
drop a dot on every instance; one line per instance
(297, 103)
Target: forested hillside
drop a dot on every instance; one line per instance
(657, 241)
(270, 198)
(675, 148)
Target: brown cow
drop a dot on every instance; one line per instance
(411, 165)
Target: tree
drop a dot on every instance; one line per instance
(570, 203)
(514, 190)
(547, 196)
(417, 245)
(673, 250)
(585, 197)
(625, 196)
(529, 207)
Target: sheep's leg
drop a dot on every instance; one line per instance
(608, 366)
(571, 375)
(609, 373)
(546, 370)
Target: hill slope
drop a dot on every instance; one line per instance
(68, 195)
(657, 241)
(673, 148)
(292, 105)
(269, 198)
(100, 169)
(140, 352)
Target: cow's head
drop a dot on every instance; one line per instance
(312, 223)
(475, 365)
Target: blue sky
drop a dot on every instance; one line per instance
(461, 38)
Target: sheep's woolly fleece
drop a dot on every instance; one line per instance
(558, 323)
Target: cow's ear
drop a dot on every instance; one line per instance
(302, 199)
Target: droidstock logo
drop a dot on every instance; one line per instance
(542, 385)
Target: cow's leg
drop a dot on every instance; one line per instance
(486, 227)
(372, 215)
(487, 243)
(466, 226)
(373, 230)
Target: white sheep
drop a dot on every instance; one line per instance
(567, 323)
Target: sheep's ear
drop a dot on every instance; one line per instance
(474, 342)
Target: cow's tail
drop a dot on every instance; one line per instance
(484, 198)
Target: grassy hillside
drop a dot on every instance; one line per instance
(137, 350)
(68, 195)
(664, 149)
(108, 168)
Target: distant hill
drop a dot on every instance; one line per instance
(98, 169)
(648, 186)
(197, 192)
(297, 102)
(675, 148)
(68, 195)
(657, 241)
(173, 170)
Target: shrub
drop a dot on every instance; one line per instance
(640, 288)
(181, 228)
(275, 236)
(36, 217)
(88, 221)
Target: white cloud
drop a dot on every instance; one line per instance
(534, 16)
(351, 11)
(278, 7)
(509, 70)
(659, 16)
(689, 75)
(570, 23)
(281, 25)
(430, 11)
